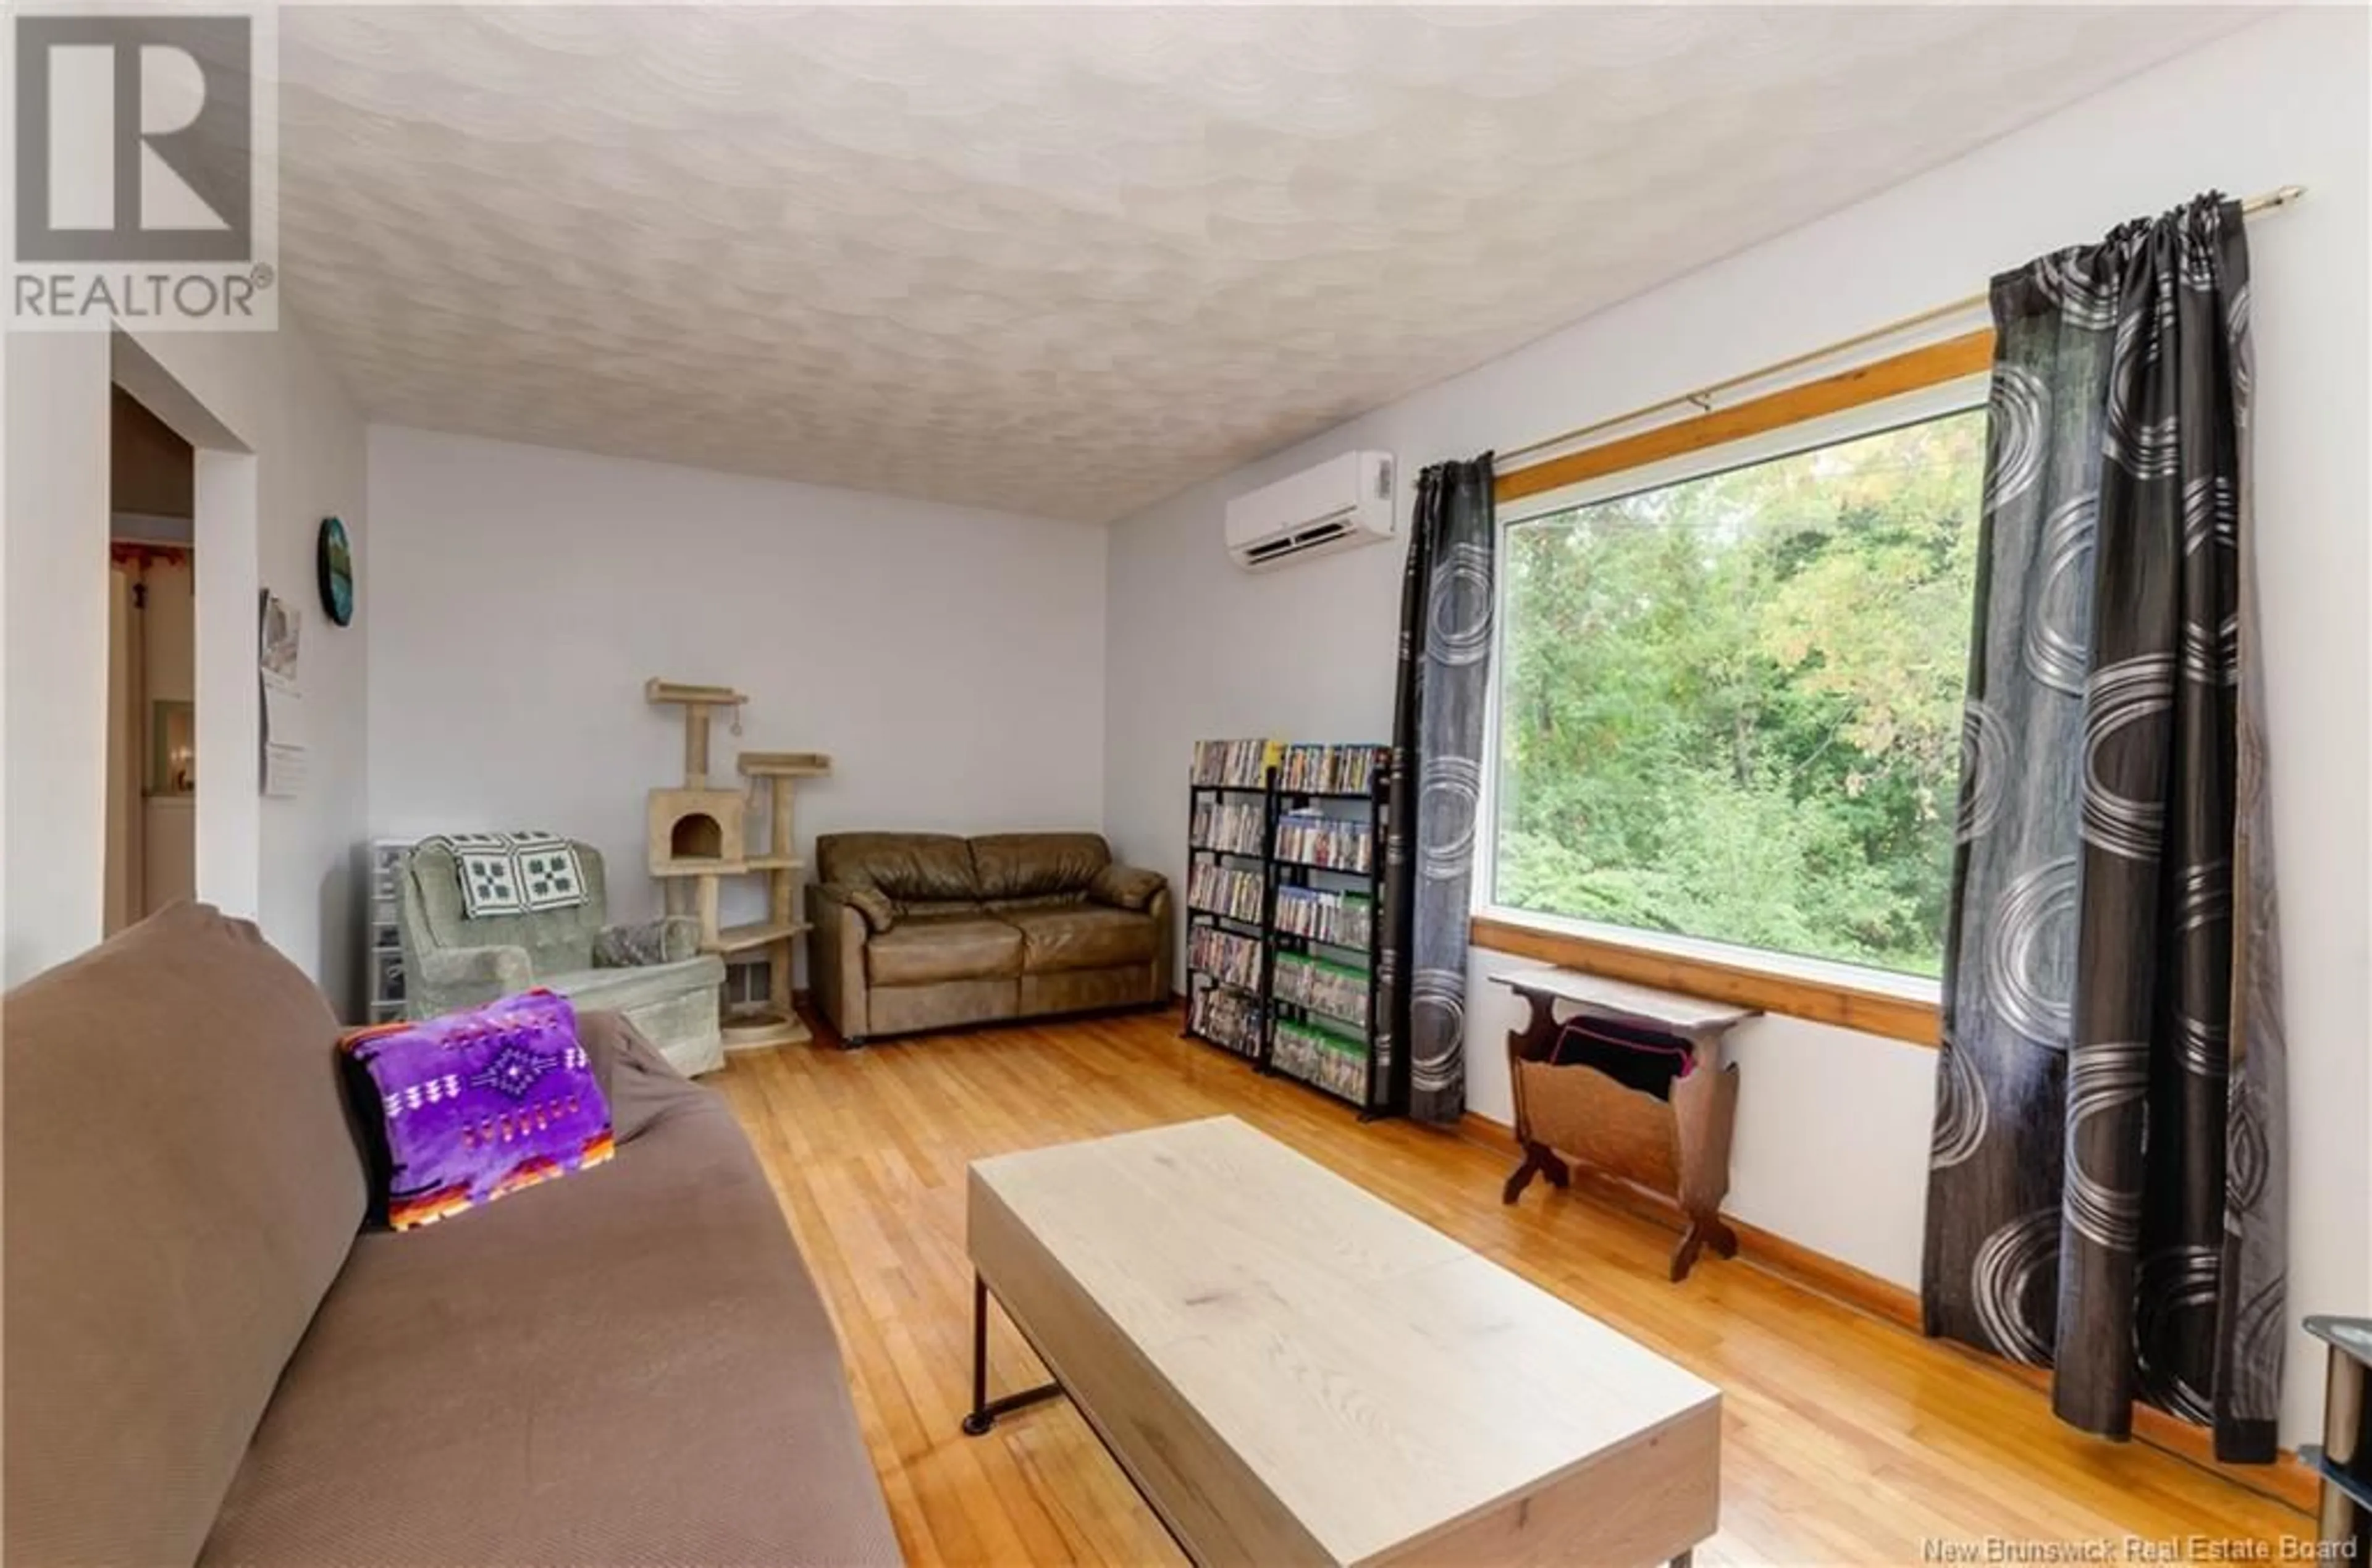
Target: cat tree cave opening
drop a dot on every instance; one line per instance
(697, 836)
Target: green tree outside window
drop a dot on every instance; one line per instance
(1730, 707)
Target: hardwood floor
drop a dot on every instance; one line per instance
(1845, 1439)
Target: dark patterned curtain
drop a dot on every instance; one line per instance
(2106, 1194)
(1445, 678)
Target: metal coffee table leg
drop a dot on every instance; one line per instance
(985, 1410)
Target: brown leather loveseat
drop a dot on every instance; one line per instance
(924, 931)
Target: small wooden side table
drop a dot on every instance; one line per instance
(1677, 1147)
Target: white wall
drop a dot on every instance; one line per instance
(267, 392)
(1832, 1143)
(54, 855)
(309, 446)
(950, 661)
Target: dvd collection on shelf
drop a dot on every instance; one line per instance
(1298, 865)
(1330, 843)
(1226, 955)
(1226, 890)
(1339, 991)
(1231, 827)
(1339, 920)
(1328, 770)
(1236, 764)
(1226, 1017)
(1335, 1063)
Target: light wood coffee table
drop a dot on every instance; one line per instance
(1292, 1371)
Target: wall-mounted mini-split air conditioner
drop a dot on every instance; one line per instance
(1336, 506)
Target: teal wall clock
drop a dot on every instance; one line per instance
(335, 558)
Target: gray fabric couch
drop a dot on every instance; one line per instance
(653, 973)
(211, 1360)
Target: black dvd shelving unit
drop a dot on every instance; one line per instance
(1231, 818)
(1297, 991)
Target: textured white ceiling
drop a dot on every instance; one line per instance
(1065, 262)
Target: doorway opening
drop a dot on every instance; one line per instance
(151, 752)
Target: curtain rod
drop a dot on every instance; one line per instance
(1701, 398)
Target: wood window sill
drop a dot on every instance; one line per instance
(1871, 1008)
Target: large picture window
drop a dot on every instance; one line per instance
(1729, 704)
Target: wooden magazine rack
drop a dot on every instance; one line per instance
(1671, 1137)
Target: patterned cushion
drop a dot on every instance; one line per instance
(636, 946)
(481, 1103)
(515, 873)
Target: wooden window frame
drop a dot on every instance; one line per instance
(1730, 973)
(1931, 365)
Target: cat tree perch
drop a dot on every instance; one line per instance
(697, 835)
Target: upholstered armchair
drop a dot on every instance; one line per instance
(654, 973)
